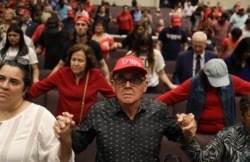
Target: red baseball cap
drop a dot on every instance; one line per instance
(176, 20)
(71, 13)
(240, 8)
(25, 12)
(218, 14)
(130, 61)
(82, 18)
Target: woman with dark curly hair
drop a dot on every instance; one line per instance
(238, 62)
(78, 82)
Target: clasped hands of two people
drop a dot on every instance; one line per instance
(65, 124)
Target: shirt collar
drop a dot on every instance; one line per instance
(202, 55)
(117, 108)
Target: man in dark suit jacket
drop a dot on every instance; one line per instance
(186, 63)
(28, 25)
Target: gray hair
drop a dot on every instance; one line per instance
(199, 35)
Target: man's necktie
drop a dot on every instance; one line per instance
(198, 64)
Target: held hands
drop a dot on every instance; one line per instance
(173, 86)
(188, 125)
(64, 126)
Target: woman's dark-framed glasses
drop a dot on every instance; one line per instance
(133, 81)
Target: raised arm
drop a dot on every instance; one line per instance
(63, 128)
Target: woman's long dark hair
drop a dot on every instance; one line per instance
(145, 40)
(23, 48)
(237, 56)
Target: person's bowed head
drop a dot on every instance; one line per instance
(217, 73)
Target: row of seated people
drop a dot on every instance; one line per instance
(161, 88)
(114, 56)
(50, 99)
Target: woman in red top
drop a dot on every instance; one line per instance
(78, 82)
(106, 41)
(124, 21)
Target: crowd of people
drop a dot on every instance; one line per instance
(211, 67)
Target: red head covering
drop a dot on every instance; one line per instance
(82, 18)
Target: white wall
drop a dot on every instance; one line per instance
(147, 3)
(229, 3)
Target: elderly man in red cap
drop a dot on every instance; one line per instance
(127, 127)
(81, 34)
(172, 39)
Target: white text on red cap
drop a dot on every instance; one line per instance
(132, 62)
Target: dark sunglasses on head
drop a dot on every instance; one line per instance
(19, 60)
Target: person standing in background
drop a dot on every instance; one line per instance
(231, 42)
(238, 62)
(52, 39)
(190, 62)
(246, 29)
(106, 41)
(239, 17)
(172, 39)
(28, 25)
(124, 21)
(222, 29)
(153, 62)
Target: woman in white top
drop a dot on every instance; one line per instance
(17, 21)
(15, 47)
(153, 61)
(26, 129)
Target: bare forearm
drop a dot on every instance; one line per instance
(164, 78)
(38, 50)
(105, 70)
(35, 73)
(65, 152)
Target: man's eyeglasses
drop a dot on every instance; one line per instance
(134, 81)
